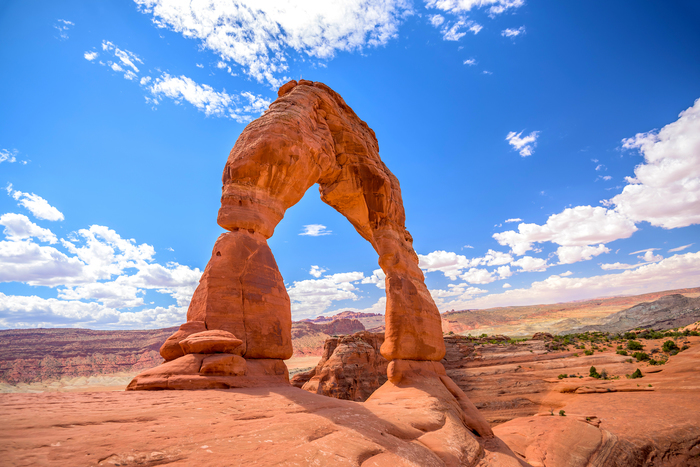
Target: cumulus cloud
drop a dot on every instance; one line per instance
(315, 230)
(675, 272)
(578, 226)
(478, 276)
(317, 271)
(665, 189)
(531, 264)
(90, 56)
(470, 62)
(19, 227)
(377, 278)
(524, 145)
(574, 254)
(453, 265)
(259, 36)
(312, 297)
(507, 285)
(513, 32)
(37, 205)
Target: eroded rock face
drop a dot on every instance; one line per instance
(310, 135)
(351, 368)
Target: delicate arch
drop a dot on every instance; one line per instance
(309, 135)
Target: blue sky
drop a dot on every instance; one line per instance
(547, 151)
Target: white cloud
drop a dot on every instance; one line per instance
(116, 67)
(566, 274)
(524, 145)
(507, 285)
(618, 265)
(449, 263)
(19, 227)
(37, 205)
(62, 26)
(531, 264)
(32, 264)
(34, 312)
(90, 56)
(312, 297)
(578, 226)
(436, 20)
(676, 272)
(650, 257)
(495, 258)
(459, 6)
(680, 248)
(199, 65)
(315, 230)
(258, 36)
(206, 99)
(486, 72)
(574, 254)
(478, 276)
(317, 271)
(7, 156)
(504, 272)
(470, 62)
(517, 219)
(456, 30)
(644, 251)
(607, 178)
(377, 278)
(513, 32)
(665, 190)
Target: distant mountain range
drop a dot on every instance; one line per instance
(671, 311)
(34, 355)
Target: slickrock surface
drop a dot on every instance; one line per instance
(351, 368)
(285, 426)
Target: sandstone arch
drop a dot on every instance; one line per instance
(309, 135)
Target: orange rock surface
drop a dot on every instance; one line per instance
(309, 136)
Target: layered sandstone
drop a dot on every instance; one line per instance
(351, 368)
(309, 136)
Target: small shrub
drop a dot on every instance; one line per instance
(588, 352)
(622, 352)
(562, 413)
(685, 347)
(575, 355)
(603, 374)
(641, 356)
(634, 345)
(637, 374)
(562, 376)
(669, 346)
(593, 373)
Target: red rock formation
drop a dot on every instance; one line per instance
(351, 368)
(309, 135)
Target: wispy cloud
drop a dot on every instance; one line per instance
(680, 248)
(513, 32)
(241, 107)
(62, 26)
(470, 62)
(516, 219)
(37, 205)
